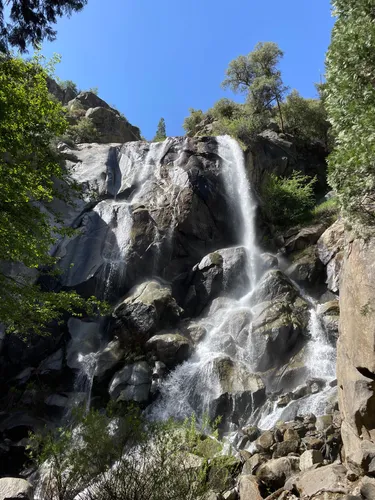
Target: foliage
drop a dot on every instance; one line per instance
(83, 131)
(305, 119)
(161, 133)
(258, 76)
(68, 84)
(350, 101)
(94, 90)
(288, 200)
(226, 108)
(29, 120)
(192, 121)
(121, 457)
(326, 211)
(30, 21)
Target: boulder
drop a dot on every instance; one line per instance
(330, 477)
(268, 261)
(331, 253)
(132, 383)
(240, 393)
(274, 473)
(170, 348)
(220, 272)
(265, 441)
(284, 448)
(306, 268)
(309, 458)
(53, 363)
(87, 100)
(252, 463)
(279, 322)
(306, 237)
(147, 308)
(109, 357)
(12, 488)
(111, 127)
(248, 488)
(355, 355)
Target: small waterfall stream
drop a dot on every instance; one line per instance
(85, 377)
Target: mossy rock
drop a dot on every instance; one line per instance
(216, 259)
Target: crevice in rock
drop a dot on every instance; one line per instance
(366, 372)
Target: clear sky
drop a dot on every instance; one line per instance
(155, 59)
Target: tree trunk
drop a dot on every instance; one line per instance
(280, 113)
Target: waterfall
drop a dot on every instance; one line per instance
(85, 377)
(193, 386)
(237, 186)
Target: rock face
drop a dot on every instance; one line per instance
(331, 253)
(280, 318)
(12, 488)
(277, 153)
(356, 360)
(160, 208)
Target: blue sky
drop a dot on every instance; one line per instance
(152, 59)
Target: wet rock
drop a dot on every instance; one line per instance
(284, 400)
(132, 383)
(170, 348)
(300, 392)
(248, 488)
(12, 488)
(306, 268)
(268, 261)
(85, 339)
(279, 323)
(147, 308)
(330, 250)
(109, 357)
(241, 390)
(220, 272)
(310, 458)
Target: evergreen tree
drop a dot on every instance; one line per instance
(30, 21)
(161, 133)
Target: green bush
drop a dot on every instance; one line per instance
(288, 200)
(68, 84)
(191, 121)
(84, 131)
(306, 119)
(226, 108)
(122, 457)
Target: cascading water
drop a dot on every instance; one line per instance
(195, 384)
(85, 377)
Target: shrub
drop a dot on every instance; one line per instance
(68, 84)
(288, 200)
(84, 131)
(191, 122)
(121, 457)
(226, 108)
(306, 119)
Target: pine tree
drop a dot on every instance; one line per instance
(161, 133)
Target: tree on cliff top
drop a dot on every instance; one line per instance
(30, 21)
(350, 102)
(258, 76)
(161, 133)
(29, 169)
